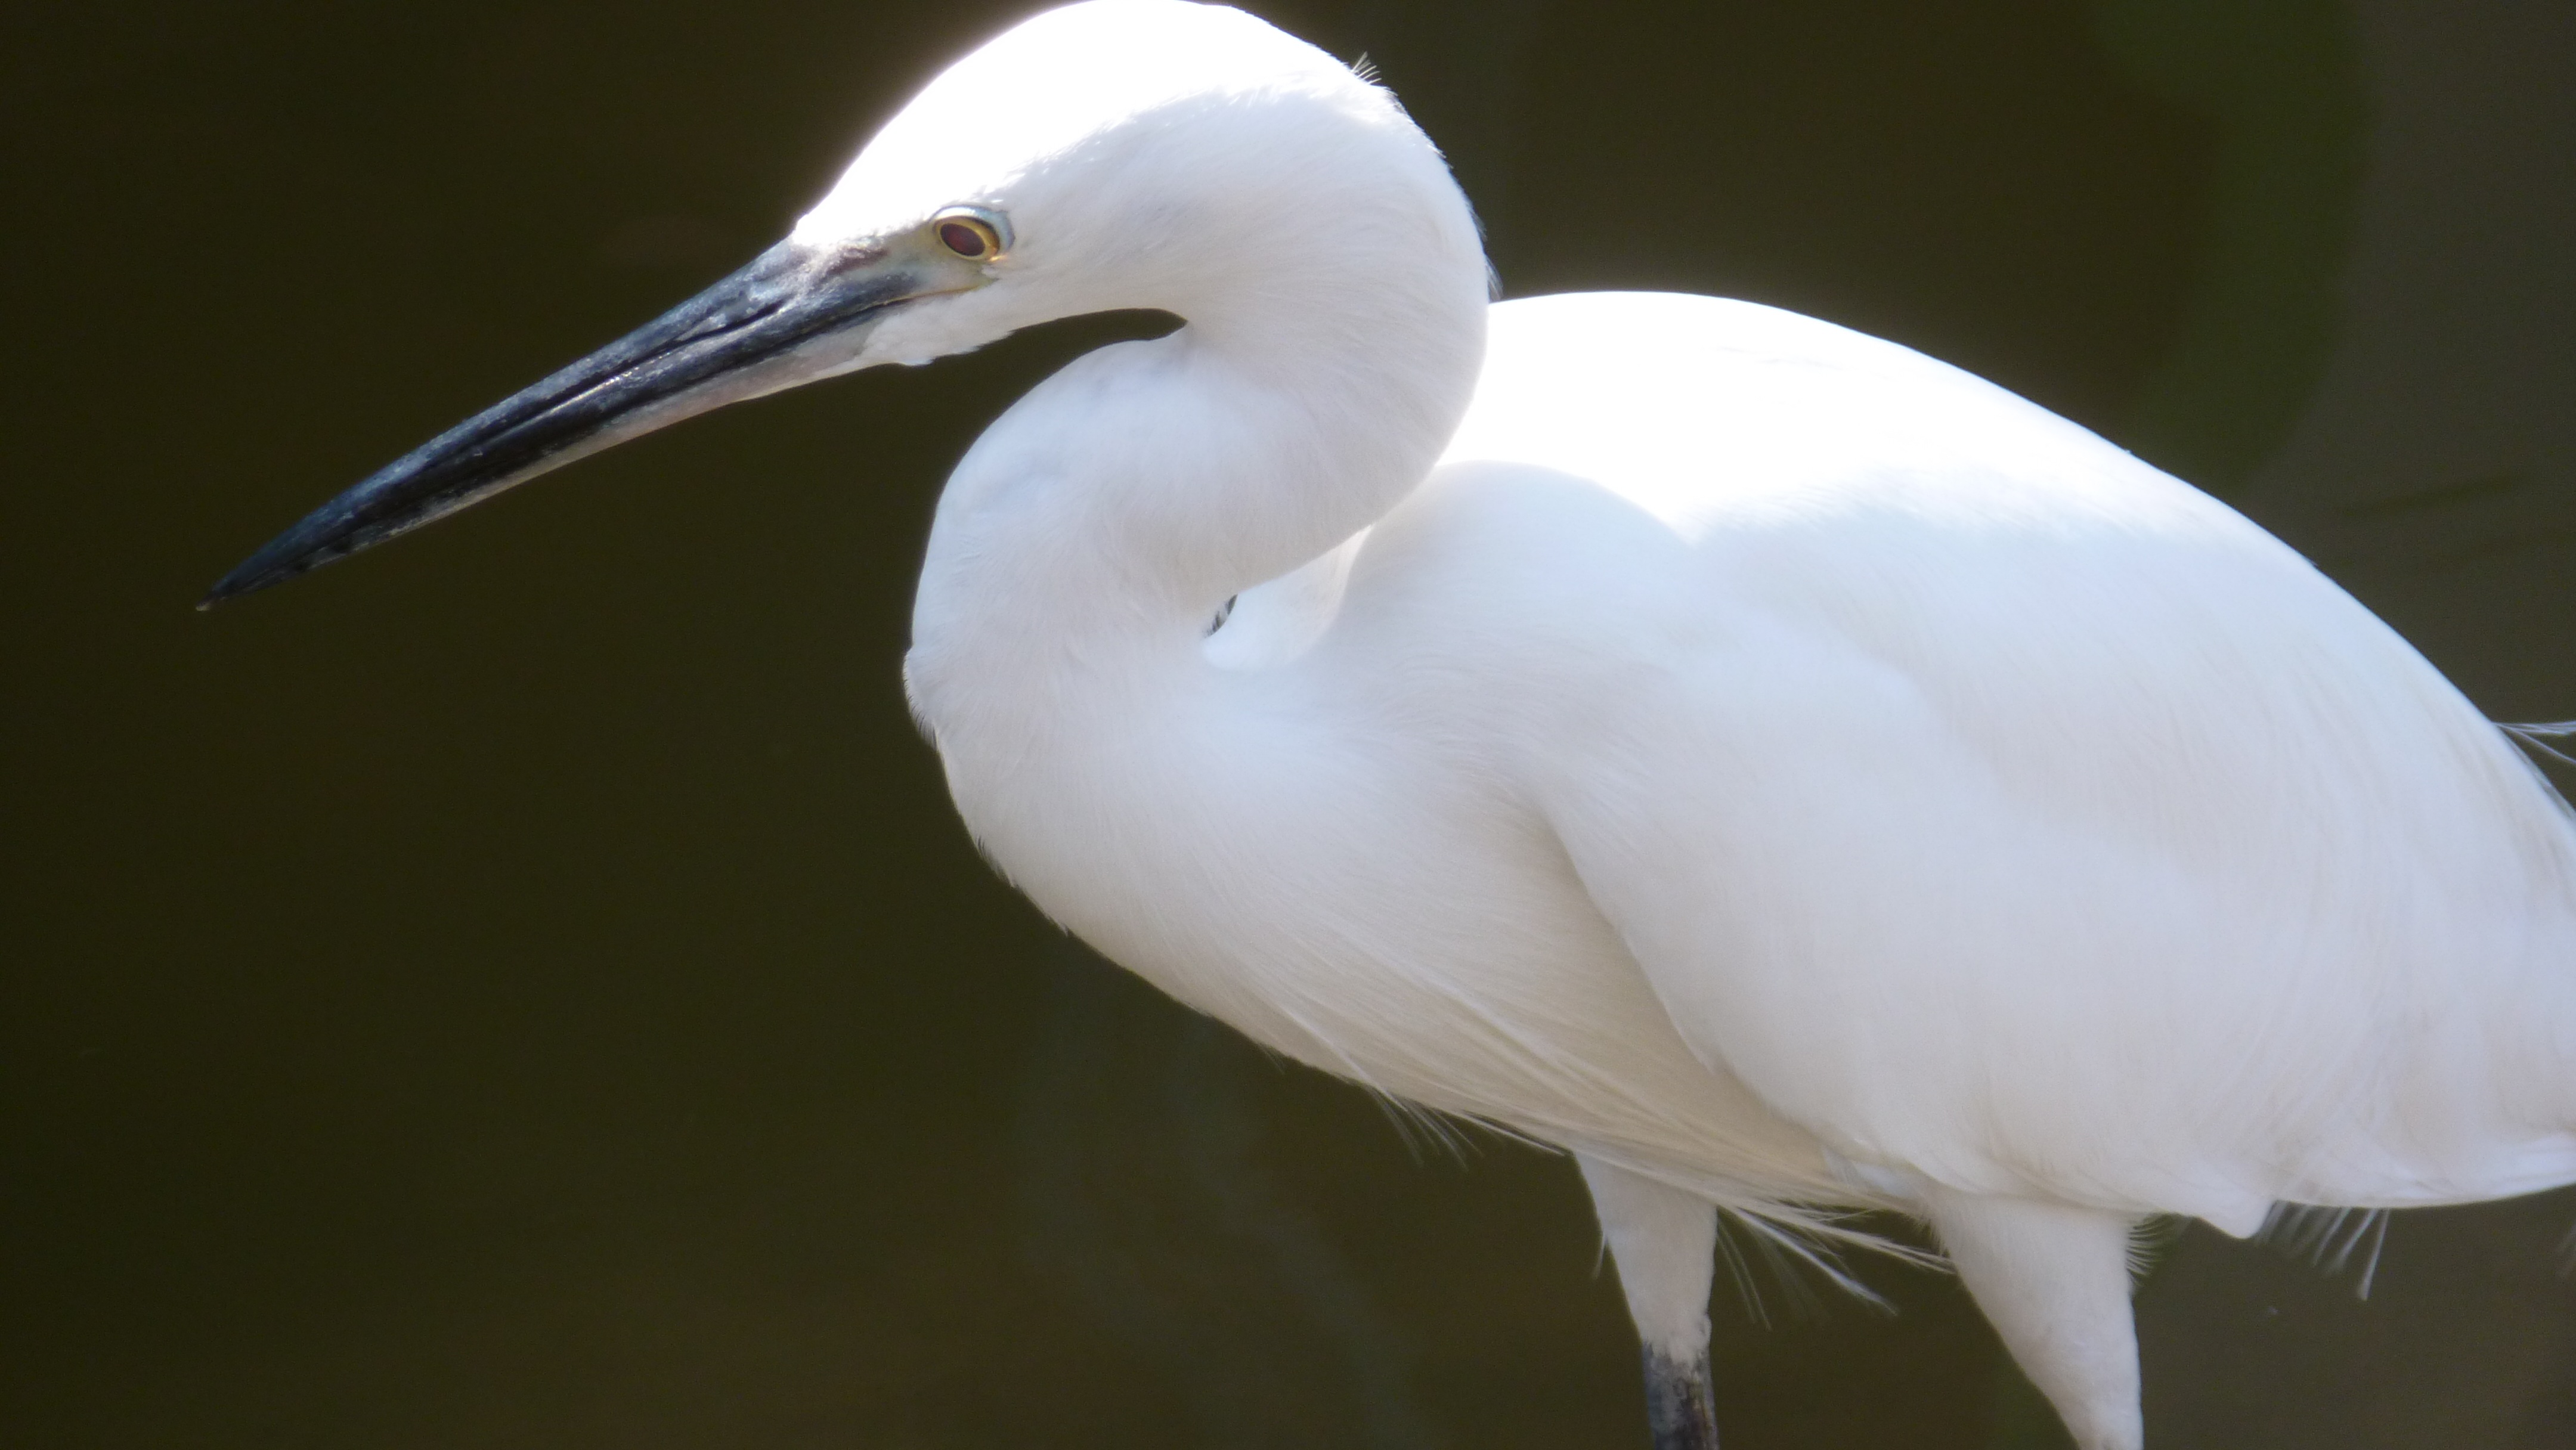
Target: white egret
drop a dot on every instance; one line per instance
(1789, 773)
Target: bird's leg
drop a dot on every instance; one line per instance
(1665, 1244)
(2053, 1279)
(1681, 1408)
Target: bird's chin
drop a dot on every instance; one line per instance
(926, 329)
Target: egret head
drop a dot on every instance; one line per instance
(1114, 154)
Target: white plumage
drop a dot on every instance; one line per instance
(1785, 770)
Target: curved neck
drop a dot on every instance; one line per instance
(1084, 543)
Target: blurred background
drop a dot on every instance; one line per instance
(526, 988)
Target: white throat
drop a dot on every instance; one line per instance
(1085, 542)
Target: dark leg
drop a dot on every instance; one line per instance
(1680, 1402)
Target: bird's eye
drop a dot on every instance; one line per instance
(972, 232)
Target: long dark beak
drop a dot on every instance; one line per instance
(797, 312)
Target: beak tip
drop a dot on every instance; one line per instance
(248, 577)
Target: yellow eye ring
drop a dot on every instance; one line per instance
(972, 232)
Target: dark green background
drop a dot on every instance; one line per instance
(526, 988)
